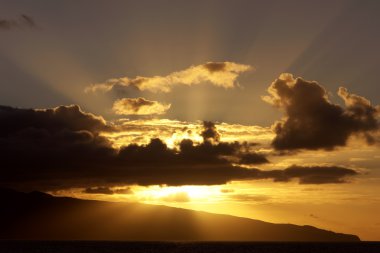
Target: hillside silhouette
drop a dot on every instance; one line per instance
(40, 216)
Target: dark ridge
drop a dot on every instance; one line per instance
(40, 216)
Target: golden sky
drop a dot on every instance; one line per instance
(242, 107)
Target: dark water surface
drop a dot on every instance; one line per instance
(193, 247)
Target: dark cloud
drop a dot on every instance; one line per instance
(312, 174)
(70, 118)
(139, 106)
(210, 132)
(98, 190)
(24, 21)
(125, 190)
(215, 66)
(312, 121)
(63, 147)
(253, 158)
(107, 190)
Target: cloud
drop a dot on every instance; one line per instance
(249, 197)
(124, 190)
(253, 158)
(226, 190)
(139, 106)
(210, 133)
(142, 130)
(220, 74)
(98, 190)
(315, 174)
(24, 21)
(62, 148)
(107, 190)
(312, 121)
(70, 118)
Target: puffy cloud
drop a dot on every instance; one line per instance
(70, 118)
(221, 74)
(62, 148)
(24, 21)
(139, 106)
(312, 121)
(210, 132)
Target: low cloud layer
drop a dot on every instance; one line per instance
(221, 74)
(312, 121)
(253, 159)
(62, 148)
(24, 21)
(139, 106)
(107, 190)
(313, 174)
(98, 190)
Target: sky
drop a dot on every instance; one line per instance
(259, 109)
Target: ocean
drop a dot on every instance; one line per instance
(193, 247)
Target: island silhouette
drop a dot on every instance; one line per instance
(40, 216)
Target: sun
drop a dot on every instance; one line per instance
(186, 193)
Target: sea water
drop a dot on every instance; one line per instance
(191, 247)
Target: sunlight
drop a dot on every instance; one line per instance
(186, 193)
(176, 138)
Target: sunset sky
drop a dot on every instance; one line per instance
(260, 109)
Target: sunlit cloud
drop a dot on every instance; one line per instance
(220, 74)
(139, 106)
(140, 131)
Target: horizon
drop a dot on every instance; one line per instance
(262, 110)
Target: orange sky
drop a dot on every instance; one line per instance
(260, 109)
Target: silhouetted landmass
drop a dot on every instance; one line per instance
(40, 216)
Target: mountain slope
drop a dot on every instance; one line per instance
(41, 216)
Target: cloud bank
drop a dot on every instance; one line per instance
(61, 148)
(220, 74)
(107, 190)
